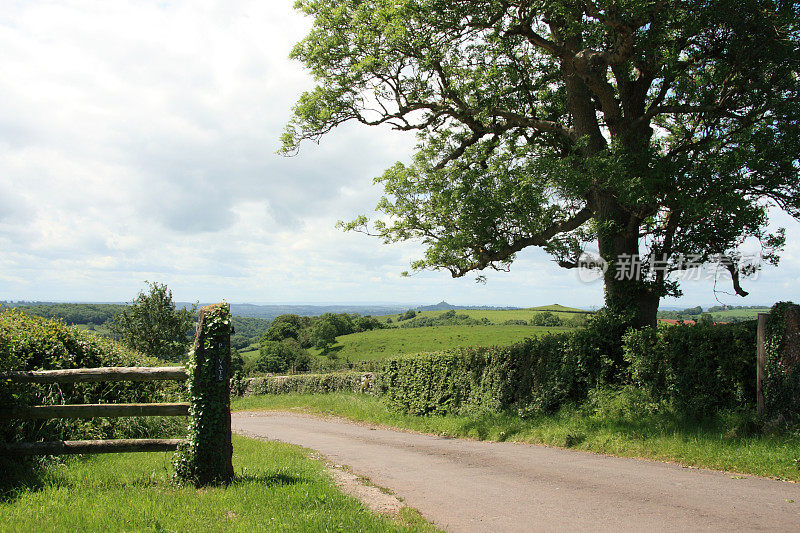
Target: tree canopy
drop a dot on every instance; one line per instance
(649, 130)
(153, 326)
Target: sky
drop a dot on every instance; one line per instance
(138, 142)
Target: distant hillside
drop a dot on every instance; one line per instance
(557, 308)
(444, 306)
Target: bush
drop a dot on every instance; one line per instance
(536, 375)
(782, 369)
(699, 369)
(33, 343)
(310, 384)
(282, 356)
(547, 319)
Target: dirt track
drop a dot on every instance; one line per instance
(464, 485)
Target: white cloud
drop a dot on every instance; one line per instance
(138, 139)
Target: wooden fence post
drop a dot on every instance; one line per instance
(761, 361)
(207, 456)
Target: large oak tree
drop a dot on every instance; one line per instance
(652, 130)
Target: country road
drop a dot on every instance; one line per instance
(464, 485)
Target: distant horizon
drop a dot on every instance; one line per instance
(408, 305)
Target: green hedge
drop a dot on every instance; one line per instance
(698, 369)
(782, 369)
(538, 374)
(33, 343)
(307, 383)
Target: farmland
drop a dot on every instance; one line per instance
(740, 314)
(498, 316)
(384, 343)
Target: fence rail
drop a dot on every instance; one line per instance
(67, 447)
(106, 410)
(91, 410)
(92, 375)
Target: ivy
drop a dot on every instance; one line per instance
(781, 373)
(205, 457)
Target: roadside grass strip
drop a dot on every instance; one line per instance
(278, 488)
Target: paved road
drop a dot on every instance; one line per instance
(464, 485)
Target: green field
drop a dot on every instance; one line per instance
(102, 329)
(498, 317)
(384, 343)
(279, 489)
(738, 313)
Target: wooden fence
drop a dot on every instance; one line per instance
(89, 375)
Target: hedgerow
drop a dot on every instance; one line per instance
(695, 369)
(782, 369)
(699, 369)
(33, 343)
(308, 383)
(538, 374)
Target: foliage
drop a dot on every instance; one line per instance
(205, 457)
(320, 331)
(283, 356)
(535, 375)
(447, 318)
(310, 384)
(286, 327)
(153, 326)
(408, 315)
(247, 331)
(34, 343)
(323, 334)
(698, 369)
(72, 313)
(782, 370)
(546, 319)
(564, 125)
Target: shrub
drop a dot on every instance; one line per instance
(33, 343)
(310, 383)
(546, 318)
(282, 356)
(699, 369)
(782, 369)
(536, 375)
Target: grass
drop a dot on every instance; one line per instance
(250, 354)
(98, 330)
(738, 313)
(722, 444)
(279, 489)
(384, 343)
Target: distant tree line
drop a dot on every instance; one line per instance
(285, 343)
(697, 313)
(70, 313)
(451, 318)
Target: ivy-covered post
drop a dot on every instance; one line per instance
(781, 382)
(207, 455)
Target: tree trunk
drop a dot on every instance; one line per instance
(627, 294)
